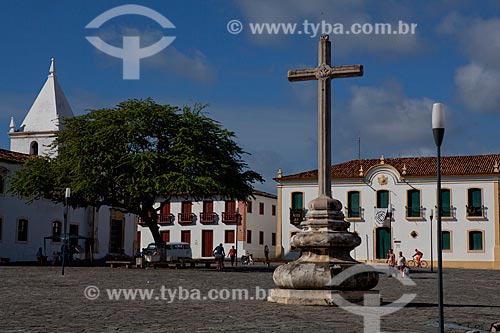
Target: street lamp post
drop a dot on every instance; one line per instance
(236, 233)
(432, 248)
(438, 132)
(65, 242)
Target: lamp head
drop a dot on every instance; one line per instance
(437, 116)
(67, 195)
(438, 123)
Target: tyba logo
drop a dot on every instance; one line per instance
(131, 53)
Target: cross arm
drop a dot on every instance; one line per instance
(345, 71)
(306, 74)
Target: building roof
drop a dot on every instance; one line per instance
(265, 194)
(469, 165)
(12, 156)
(48, 108)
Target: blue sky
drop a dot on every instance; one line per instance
(452, 58)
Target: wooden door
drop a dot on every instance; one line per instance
(207, 243)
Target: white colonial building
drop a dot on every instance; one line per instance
(390, 204)
(206, 224)
(24, 226)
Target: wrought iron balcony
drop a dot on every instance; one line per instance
(297, 215)
(185, 218)
(475, 211)
(414, 212)
(166, 219)
(354, 213)
(207, 217)
(230, 217)
(448, 212)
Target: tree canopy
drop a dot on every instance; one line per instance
(132, 155)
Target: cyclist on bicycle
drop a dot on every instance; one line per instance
(417, 256)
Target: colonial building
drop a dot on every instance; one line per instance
(24, 227)
(391, 203)
(205, 224)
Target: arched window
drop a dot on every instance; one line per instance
(474, 202)
(297, 212)
(382, 199)
(353, 204)
(56, 231)
(22, 230)
(446, 240)
(34, 148)
(476, 240)
(413, 203)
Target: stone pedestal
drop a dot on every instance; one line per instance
(323, 267)
(324, 297)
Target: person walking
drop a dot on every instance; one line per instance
(266, 254)
(401, 264)
(219, 255)
(232, 255)
(391, 263)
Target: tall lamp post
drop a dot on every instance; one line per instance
(236, 233)
(67, 194)
(432, 248)
(438, 131)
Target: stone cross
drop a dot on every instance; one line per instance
(324, 73)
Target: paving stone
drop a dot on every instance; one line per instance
(39, 299)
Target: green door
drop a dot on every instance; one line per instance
(383, 242)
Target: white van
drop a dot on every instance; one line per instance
(174, 251)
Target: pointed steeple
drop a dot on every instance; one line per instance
(12, 125)
(48, 108)
(52, 69)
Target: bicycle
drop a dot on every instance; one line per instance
(413, 264)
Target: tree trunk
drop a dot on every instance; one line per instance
(151, 218)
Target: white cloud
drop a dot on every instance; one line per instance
(479, 87)
(387, 118)
(478, 81)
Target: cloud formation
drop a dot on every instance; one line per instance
(477, 81)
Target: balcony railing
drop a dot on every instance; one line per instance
(185, 218)
(166, 219)
(475, 211)
(230, 217)
(448, 212)
(207, 217)
(297, 215)
(414, 212)
(355, 213)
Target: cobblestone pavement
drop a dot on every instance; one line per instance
(40, 299)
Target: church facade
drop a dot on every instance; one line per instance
(391, 203)
(205, 224)
(26, 227)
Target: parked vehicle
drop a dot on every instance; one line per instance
(247, 260)
(170, 251)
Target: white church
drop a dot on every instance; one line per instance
(391, 203)
(24, 228)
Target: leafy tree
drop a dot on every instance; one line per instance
(130, 156)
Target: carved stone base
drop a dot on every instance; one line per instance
(323, 297)
(323, 275)
(325, 260)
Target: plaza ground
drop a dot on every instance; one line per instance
(40, 299)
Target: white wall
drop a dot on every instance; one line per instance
(254, 222)
(40, 215)
(401, 226)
